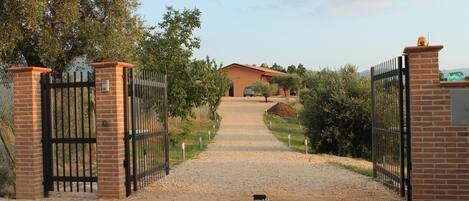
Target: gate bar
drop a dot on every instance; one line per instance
(133, 115)
(401, 127)
(46, 132)
(373, 138)
(408, 127)
(128, 186)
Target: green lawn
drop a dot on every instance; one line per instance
(198, 128)
(281, 127)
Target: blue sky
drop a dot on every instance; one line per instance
(323, 33)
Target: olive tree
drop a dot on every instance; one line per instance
(286, 82)
(264, 88)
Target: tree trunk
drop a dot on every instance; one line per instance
(265, 98)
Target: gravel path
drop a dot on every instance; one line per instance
(246, 159)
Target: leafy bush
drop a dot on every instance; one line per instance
(337, 112)
(177, 135)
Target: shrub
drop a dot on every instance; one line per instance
(177, 135)
(337, 112)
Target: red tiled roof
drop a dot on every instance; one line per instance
(267, 71)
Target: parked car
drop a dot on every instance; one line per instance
(248, 91)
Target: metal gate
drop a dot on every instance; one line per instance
(146, 123)
(69, 137)
(391, 125)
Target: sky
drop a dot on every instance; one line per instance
(322, 33)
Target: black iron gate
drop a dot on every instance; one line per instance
(69, 137)
(391, 125)
(146, 120)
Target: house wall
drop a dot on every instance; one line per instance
(241, 78)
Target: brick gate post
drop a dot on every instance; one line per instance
(110, 129)
(440, 148)
(28, 131)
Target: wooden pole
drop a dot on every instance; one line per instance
(289, 140)
(306, 146)
(200, 142)
(183, 147)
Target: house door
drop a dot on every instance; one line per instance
(231, 93)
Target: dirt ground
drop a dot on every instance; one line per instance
(246, 159)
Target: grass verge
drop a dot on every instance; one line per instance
(190, 132)
(359, 170)
(281, 127)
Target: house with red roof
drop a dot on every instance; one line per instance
(243, 75)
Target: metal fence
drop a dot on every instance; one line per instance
(69, 132)
(391, 125)
(7, 149)
(146, 123)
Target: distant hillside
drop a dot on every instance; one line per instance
(365, 73)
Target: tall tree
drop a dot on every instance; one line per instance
(291, 69)
(214, 82)
(278, 68)
(301, 70)
(54, 33)
(168, 49)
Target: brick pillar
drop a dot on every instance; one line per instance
(110, 129)
(440, 150)
(28, 131)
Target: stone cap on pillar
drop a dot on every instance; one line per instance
(19, 69)
(419, 49)
(111, 64)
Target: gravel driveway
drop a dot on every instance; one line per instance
(246, 159)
